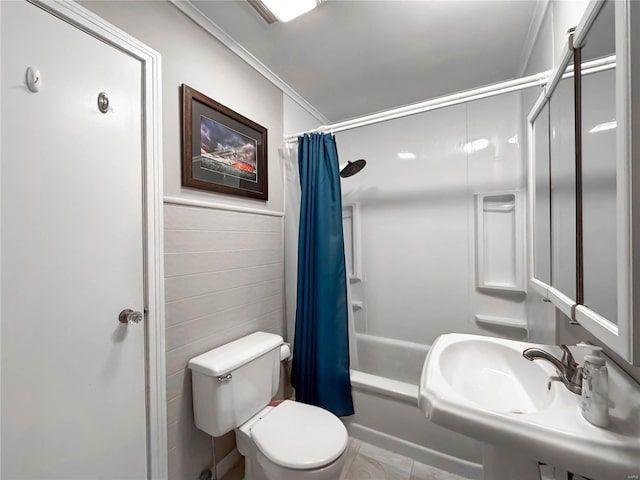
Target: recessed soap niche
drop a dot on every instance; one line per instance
(351, 231)
(499, 241)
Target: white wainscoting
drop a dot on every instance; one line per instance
(223, 280)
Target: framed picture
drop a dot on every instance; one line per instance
(222, 151)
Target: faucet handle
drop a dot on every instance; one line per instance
(567, 357)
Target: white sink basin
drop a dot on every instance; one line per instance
(494, 376)
(483, 387)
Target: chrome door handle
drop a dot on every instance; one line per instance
(130, 317)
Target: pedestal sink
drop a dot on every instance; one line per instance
(484, 388)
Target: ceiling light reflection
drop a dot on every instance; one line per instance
(287, 10)
(476, 145)
(601, 127)
(404, 155)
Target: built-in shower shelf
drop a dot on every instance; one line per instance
(505, 322)
(356, 305)
(500, 241)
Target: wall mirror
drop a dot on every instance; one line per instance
(589, 170)
(552, 212)
(562, 155)
(552, 205)
(607, 310)
(540, 196)
(598, 104)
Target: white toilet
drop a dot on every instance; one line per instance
(232, 387)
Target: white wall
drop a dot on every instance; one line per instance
(414, 223)
(541, 56)
(418, 240)
(559, 17)
(566, 15)
(497, 168)
(540, 59)
(296, 119)
(191, 56)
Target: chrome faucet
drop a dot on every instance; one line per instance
(568, 370)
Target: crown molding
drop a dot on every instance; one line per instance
(532, 35)
(195, 14)
(263, 11)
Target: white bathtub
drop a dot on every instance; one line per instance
(390, 358)
(385, 396)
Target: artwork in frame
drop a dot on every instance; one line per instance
(222, 151)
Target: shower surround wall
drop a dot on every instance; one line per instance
(418, 219)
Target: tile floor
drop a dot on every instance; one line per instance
(364, 462)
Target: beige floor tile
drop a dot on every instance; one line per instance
(368, 462)
(366, 468)
(420, 471)
(350, 455)
(386, 457)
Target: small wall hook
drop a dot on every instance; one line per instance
(33, 79)
(103, 102)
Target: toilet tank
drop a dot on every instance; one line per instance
(233, 382)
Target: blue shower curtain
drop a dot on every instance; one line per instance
(320, 371)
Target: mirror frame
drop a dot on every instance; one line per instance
(619, 336)
(536, 284)
(624, 337)
(548, 292)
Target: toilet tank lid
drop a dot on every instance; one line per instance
(233, 355)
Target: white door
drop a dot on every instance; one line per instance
(73, 377)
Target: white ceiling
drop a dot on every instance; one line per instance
(353, 57)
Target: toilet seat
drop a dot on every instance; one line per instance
(299, 436)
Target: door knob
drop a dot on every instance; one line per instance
(130, 317)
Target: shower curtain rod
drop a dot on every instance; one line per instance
(538, 79)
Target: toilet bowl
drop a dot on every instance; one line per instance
(232, 387)
(293, 441)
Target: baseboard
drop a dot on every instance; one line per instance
(419, 453)
(227, 463)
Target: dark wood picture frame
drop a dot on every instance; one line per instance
(222, 151)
